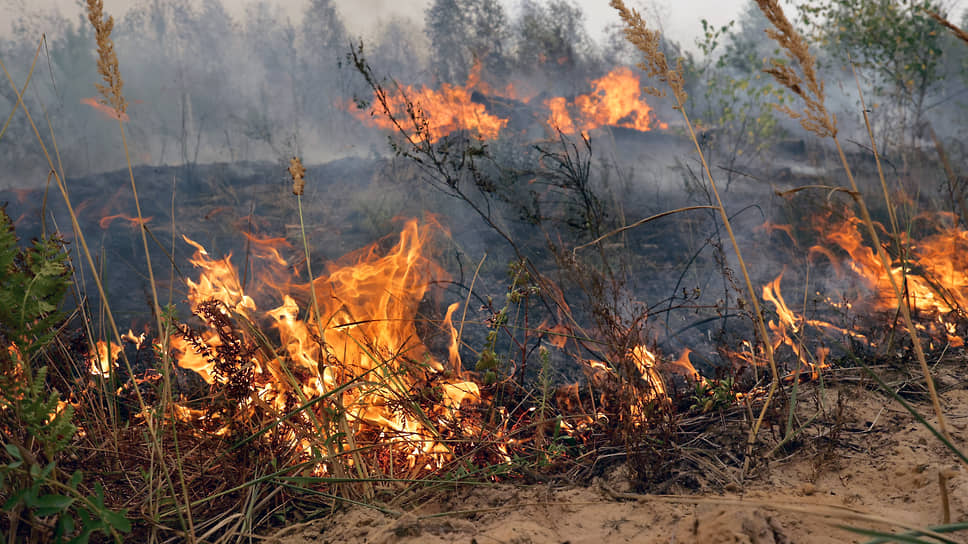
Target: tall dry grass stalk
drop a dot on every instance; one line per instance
(95, 273)
(656, 65)
(112, 95)
(817, 119)
(107, 60)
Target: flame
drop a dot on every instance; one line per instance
(104, 358)
(454, 348)
(105, 110)
(788, 328)
(560, 118)
(616, 99)
(439, 112)
(137, 340)
(357, 353)
(651, 369)
(933, 276)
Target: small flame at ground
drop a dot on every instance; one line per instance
(104, 358)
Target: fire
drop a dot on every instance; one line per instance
(439, 112)
(652, 371)
(105, 110)
(104, 358)
(788, 328)
(616, 99)
(349, 352)
(560, 118)
(933, 276)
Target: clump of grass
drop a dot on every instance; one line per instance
(112, 94)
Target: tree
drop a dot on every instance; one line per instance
(895, 42)
(730, 98)
(463, 32)
(747, 46)
(552, 36)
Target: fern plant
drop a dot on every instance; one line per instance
(33, 283)
(41, 503)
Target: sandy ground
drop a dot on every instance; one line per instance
(886, 466)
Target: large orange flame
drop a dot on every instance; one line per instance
(934, 275)
(616, 99)
(436, 112)
(356, 354)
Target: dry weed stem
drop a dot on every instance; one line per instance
(815, 117)
(958, 32)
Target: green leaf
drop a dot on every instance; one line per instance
(14, 452)
(82, 538)
(15, 499)
(117, 519)
(65, 526)
(47, 505)
(76, 479)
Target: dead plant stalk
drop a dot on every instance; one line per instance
(113, 96)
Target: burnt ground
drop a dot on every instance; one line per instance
(671, 268)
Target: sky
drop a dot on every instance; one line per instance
(680, 19)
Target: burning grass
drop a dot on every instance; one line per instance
(616, 99)
(287, 395)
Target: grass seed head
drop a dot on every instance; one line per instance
(650, 44)
(107, 60)
(298, 173)
(807, 86)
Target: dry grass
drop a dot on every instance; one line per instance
(107, 60)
